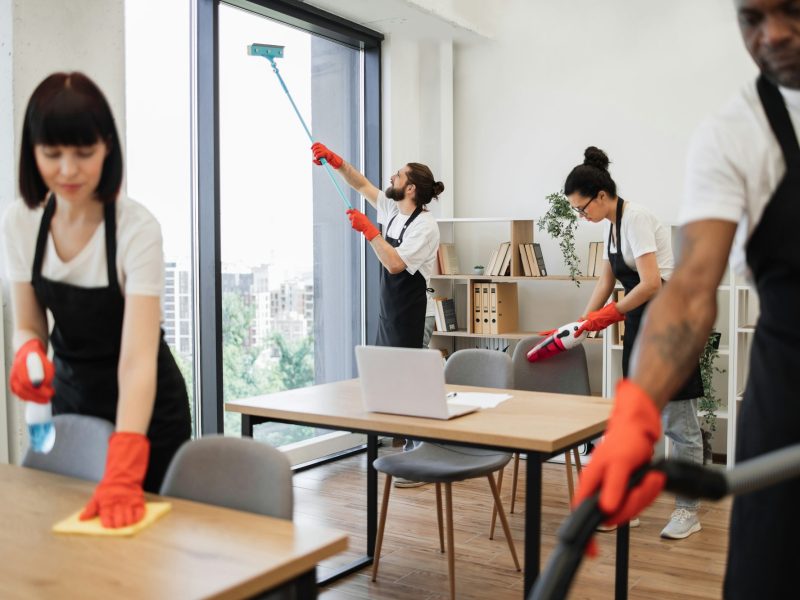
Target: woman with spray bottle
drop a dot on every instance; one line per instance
(93, 258)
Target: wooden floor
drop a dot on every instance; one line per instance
(412, 568)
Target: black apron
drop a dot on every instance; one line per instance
(86, 339)
(401, 320)
(693, 388)
(763, 555)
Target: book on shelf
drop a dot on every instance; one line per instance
(449, 311)
(590, 263)
(502, 250)
(532, 260)
(523, 259)
(477, 309)
(537, 251)
(448, 259)
(503, 308)
(490, 265)
(485, 307)
(598, 258)
(438, 314)
(505, 266)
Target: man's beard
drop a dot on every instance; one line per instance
(395, 194)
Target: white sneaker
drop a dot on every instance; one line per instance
(682, 524)
(603, 527)
(402, 482)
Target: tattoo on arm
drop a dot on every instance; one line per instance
(675, 345)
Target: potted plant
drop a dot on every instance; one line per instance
(710, 402)
(560, 222)
(478, 269)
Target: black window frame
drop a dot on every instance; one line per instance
(207, 264)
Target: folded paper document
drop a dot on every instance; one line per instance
(479, 399)
(72, 524)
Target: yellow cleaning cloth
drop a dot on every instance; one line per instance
(153, 510)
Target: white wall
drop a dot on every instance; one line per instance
(38, 37)
(634, 78)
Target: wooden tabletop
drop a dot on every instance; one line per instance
(195, 551)
(531, 421)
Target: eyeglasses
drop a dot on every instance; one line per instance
(582, 210)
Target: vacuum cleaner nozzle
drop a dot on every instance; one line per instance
(266, 50)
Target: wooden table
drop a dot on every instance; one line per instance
(195, 551)
(538, 424)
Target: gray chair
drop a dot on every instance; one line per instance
(564, 373)
(80, 448)
(482, 368)
(237, 473)
(445, 464)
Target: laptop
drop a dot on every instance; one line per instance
(405, 381)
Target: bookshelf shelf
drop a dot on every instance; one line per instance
(511, 335)
(502, 278)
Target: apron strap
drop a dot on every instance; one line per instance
(41, 240)
(110, 214)
(779, 120)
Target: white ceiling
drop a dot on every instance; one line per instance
(411, 19)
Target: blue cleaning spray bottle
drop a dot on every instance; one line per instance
(39, 416)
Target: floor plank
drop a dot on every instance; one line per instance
(412, 567)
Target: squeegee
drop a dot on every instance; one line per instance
(271, 52)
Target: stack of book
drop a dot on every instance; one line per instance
(532, 260)
(500, 261)
(448, 259)
(445, 314)
(595, 264)
(494, 308)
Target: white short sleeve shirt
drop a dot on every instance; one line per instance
(420, 241)
(642, 233)
(734, 165)
(140, 257)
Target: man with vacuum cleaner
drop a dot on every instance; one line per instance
(742, 191)
(407, 250)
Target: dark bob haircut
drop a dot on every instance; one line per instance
(68, 109)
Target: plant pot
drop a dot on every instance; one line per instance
(477, 270)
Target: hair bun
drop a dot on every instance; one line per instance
(595, 157)
(438, 188)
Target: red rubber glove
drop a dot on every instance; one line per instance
(633, 429)
(361, 223)
(320, 152)
(600, 319)
(119, 498)
(20, 381)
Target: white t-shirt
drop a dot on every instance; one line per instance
(734, 166)
(420, 241)
(641, 233)
(140, 256)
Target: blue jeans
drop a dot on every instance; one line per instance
(682, 427)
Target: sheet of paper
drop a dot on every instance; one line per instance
(153, 510)
(479, 399)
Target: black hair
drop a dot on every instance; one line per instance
(68, 109)
(427, 188)
(592, 177)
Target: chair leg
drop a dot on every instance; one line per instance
(387, 488)
(494, 508)
(504, 521)
(439, 516)
(451, 550)
(577, 456)
(570, 483)
(514, 481)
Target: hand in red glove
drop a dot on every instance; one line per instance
(119, 498)
(633, 429)
(361, 223)
(600, 319)
(320, 152)
(20, 380)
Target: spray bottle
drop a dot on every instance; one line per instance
(39, 416)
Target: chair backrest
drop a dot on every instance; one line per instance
(479, 367)
(564, 373)
(79, 450)
(237, 473)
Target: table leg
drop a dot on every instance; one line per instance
(372, 494)
(247, 426)
(621, 581)
(533, 520)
